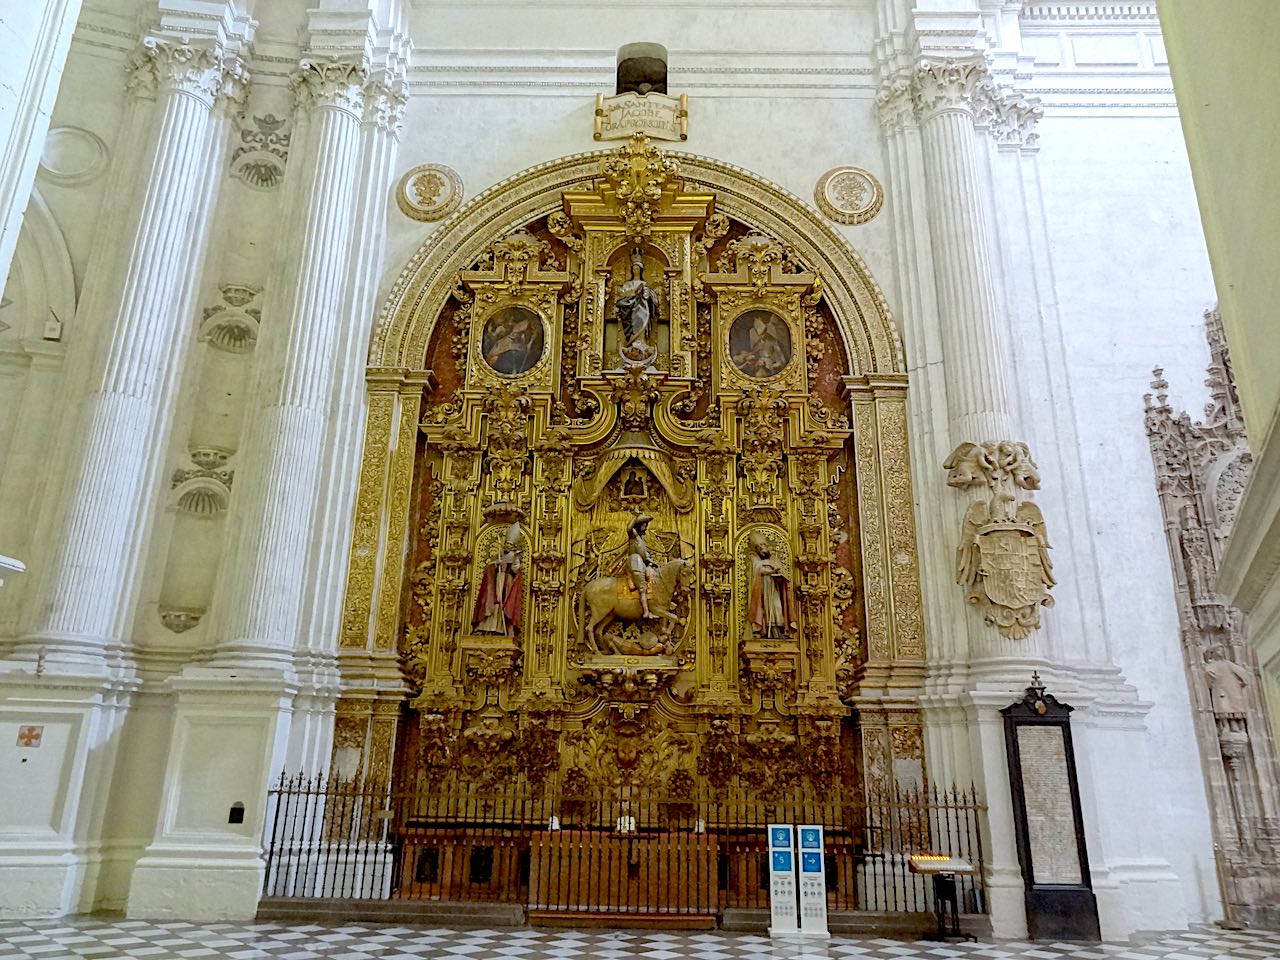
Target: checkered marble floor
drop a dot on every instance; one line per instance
(91, 938)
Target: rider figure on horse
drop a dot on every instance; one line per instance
(639, 562)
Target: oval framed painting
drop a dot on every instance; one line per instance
(512, 340)
(760, 343)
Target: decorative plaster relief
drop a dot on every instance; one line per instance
(429, 192)
(180, 619)
(264, 149)
(1003, 558)
(232, 325)
(202, 70)
(849, 195)
(72, 156)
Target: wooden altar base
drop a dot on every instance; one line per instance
(623, 875)
(615, 921)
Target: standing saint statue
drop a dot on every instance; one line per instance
(497, 608)
(1228, 684)
(639, 562)
(637, 312)
(771, 608)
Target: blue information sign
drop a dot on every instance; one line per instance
(811, 862)
(810, 839)
(780, 837)
(782, 861)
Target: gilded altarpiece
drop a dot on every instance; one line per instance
(647, 520)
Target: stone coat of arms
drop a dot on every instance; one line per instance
(1003, 557)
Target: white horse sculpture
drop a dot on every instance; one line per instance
(607, 598)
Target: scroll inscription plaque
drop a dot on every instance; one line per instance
(1051, 833)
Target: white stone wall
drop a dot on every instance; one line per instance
(1100, 274)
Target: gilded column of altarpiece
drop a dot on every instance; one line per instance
(639, 404)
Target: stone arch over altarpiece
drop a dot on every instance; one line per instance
(891, 674)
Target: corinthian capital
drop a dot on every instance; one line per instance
(894, 103)
(200, 69)
(938, 86)
(330, 82)
(385, 96)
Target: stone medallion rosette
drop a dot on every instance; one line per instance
(429, 192)
(848, 195)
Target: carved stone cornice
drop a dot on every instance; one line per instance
(337, 82)
(199, 69)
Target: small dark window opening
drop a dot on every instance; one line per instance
(427, 867)
(236, 813)
(481, 865)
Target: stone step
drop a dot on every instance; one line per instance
(436, 913)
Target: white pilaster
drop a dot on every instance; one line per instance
(259, 606)
(85, 589)
(35, 36)
(974, 331)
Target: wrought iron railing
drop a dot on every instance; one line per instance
(629, 851)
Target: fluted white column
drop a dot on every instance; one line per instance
(259, 607)
(85, 589)
(975, 338)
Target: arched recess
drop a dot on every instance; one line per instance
(404, 325)
(890, 675)
(42, 290)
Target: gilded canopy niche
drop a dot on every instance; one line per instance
(647, 520)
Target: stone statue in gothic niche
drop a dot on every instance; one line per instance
(637, 311)
(771, 608)
(498, 600)
(1228, 685)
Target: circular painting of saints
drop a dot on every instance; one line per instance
(512, 340)
(760, 344)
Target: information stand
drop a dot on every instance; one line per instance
(813, 882)
(782, 881)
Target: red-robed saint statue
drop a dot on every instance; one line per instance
(498, 601)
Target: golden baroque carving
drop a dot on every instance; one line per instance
(638, 173)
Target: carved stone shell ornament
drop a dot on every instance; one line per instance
(429, 192)
(848, 195)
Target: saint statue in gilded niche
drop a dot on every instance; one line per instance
(512, 340)
(637, 312)
(497, 608)
(760, 344)
(771, 609)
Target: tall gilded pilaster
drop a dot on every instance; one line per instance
(84, 592)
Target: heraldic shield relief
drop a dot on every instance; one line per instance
(1003, 557)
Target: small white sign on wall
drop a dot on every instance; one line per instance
(782, 880)
(813, 882)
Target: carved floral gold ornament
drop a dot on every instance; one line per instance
(429, 192)
(1003, 558)
(637, 173)
(849, 195)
